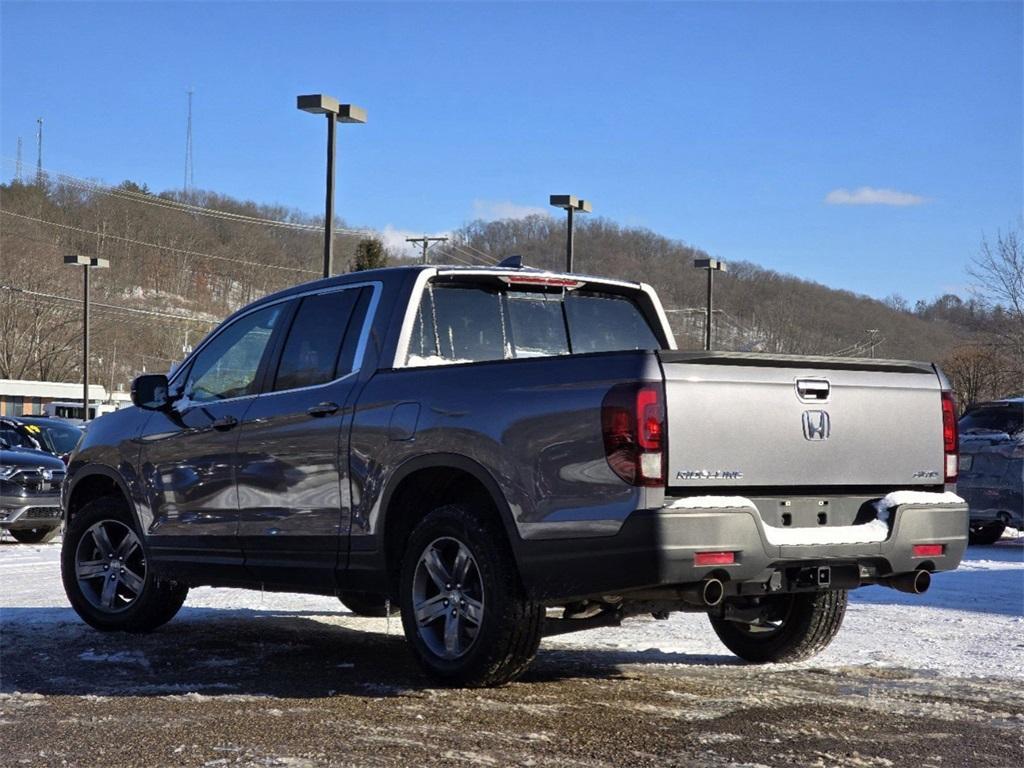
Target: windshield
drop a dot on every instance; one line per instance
(994, 418)
(15, 438)
(61, 438)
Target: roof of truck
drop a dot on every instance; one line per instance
(386, 274)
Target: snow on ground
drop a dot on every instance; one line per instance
(969, 624)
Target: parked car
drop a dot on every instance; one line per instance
(478, 446)
(30, 482)
(992, 467)
(74, 412)
(55, 436)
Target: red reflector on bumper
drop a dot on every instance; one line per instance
(929, 550)
(714, 558)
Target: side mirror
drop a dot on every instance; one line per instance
(150, 391)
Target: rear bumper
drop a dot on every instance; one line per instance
(656, 548)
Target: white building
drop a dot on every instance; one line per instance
(19, 397)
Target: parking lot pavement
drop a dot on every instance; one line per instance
(241, 678)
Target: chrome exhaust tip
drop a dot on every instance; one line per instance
(913, 582)
(712, 592)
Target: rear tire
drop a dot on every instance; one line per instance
(33, 535)
(103, 567)
(367, 604)
(465, 613)
(982, 534)
(807, 622)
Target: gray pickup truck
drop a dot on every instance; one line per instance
(504, 453)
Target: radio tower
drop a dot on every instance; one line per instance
(189, 171)
(17, 163)
(39, 154)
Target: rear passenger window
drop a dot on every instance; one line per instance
(537, 325)
(458, 325)
(322, 341)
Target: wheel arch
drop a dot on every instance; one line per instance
(93, 482)
(427, 482)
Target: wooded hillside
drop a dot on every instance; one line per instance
(179, 264)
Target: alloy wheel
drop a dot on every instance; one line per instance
(110, 566)
(448, 598)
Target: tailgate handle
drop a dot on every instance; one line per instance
(812, 389)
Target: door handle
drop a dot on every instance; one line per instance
(224, 423)
(323, 409)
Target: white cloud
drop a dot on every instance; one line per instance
(491, 210)
(395, 239)
(872, 196)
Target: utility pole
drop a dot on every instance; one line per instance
(39, 151)
(874, 339)
(426, 242)
(712, 266)
(17, 163)
(189, 169)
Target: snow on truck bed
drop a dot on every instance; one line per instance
(969, 624)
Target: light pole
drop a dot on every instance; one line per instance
(320, 104)
(712, 266)
(571, 204)
(86, 263)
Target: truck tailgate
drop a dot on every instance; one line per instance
(739, 420)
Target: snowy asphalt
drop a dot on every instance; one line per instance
(244, 678)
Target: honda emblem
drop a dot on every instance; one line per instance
(817, 425)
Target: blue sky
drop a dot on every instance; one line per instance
(865, 146)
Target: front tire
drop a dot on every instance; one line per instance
(982, 534)
(465, 613)
(795, 627)
(105, 574)
(33, 535)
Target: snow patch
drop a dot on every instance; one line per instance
(712, 502)
(418, 361)
(121, 657)
(898, 498)
(868, 533)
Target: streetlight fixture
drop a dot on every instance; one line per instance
(712, 266)
(86, 263)
(321, 104)
(571, 204)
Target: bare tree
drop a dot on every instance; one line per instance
(978, 372)
(998, 274)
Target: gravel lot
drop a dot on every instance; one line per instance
(240, 678)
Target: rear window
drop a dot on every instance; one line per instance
(464, 324)
(994, 418)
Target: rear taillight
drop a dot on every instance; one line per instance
(633, 426)
(929, 550)
(950, 437)
(714, 558)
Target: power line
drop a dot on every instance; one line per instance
(150, 312)
(181, 206)
(172, 249)
(481, 254)
(473, 256)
